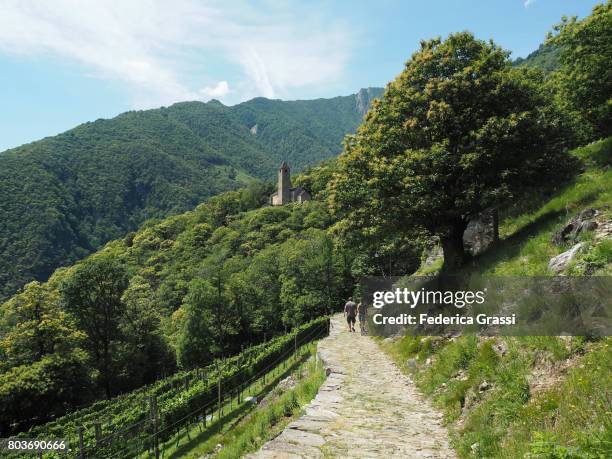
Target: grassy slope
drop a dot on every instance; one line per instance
(548, 397)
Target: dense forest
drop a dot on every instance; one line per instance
(546, 58)
(461, 130)
(65, 196)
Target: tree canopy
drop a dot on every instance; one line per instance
(585, 54)
(457, 132)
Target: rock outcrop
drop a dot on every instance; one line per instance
(560, 262)
(364, 98)
(584, 221)
(481, 232)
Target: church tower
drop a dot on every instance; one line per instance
(284, 184)
(284, 193)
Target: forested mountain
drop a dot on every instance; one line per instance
(179, 292)
(460, 132)
(546, 58)
(64, 196)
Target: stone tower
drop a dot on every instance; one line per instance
(284, 184)
(284, 193)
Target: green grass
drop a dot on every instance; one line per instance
(506, 420)
(432, 268)
(245, 427)
(573, 420)
(525, 229)
(573, 417)
(265, 423)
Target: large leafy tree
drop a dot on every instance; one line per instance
(310, 274)
(143, 344)
(586, 77)
(92, 294)
(43, 368)
(458, 131)
(196, 342)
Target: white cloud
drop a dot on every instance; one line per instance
(153, 46)
(219, 90)
(526, 3)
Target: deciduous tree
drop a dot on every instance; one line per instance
(457, 132)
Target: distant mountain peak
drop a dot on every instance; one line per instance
(364, 98)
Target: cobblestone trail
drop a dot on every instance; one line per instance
(365, 409)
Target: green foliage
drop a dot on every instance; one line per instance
(43, 367)
(457, 132)
(545, 58)
(310, 276)
(103, 179)
(198, 286)
(92, 294)
(204, 308)
(569, 415)
(127, 418)
(585, 54)
(526, 228)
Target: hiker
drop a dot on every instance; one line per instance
(350, 311)
(361, 310)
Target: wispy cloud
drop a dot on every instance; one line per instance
(219, 90)
(153, 46)
(526, 3)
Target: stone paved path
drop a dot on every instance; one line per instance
(365, 409)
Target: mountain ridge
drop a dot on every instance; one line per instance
(64, 196)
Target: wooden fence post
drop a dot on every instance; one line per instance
(218, 388)
(98, 430)
(81, 443)
(153, 402)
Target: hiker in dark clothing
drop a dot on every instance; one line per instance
(361, 310)
(350, 312)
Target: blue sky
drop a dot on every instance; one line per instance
(64, 62)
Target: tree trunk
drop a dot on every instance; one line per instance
(452, 246)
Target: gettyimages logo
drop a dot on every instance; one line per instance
(512, 306)
(412, 298)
